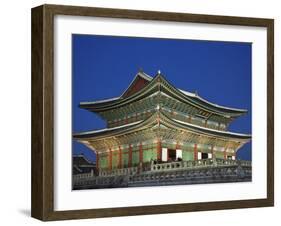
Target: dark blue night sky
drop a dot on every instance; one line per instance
(104, 66)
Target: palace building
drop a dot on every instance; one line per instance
(153, 125)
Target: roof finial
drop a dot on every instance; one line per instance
(159, 72)
(158, 107)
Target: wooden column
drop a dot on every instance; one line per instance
(224, 153)
(120, 158)
(97, 160)
(212, 151)
(140, 153)
(130, 156)
(177, 145)
(110, 160)
(159, 149)
(195, 152)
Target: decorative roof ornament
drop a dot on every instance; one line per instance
(158, 120)
(158, 107)
(159, 72)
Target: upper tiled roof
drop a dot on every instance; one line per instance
(142, 83)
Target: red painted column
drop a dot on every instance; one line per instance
(130, 156)
(120, 158)
(212, 151)
(110, 160)
(195, 152)
(140, 153)
(97, 160)
(159, 149)
(178, 145)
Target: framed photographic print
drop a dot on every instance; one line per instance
(141, 112)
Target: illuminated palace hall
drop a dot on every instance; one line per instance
(158, 134)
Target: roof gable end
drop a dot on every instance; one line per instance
(139, 82)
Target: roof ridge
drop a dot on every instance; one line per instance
(141, 74)
(144, 75)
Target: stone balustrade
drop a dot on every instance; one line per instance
(105, 176)
(108, 173)
(116, 172)
(197, 164)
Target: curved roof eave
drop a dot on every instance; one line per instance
(190, 126)
(93, 132)
(100, 101)
(108, 132)
(243, 136)
(113, 99)
(193, 95)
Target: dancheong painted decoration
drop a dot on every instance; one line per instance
(159, 135)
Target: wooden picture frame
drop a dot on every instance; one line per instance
(43, 112)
